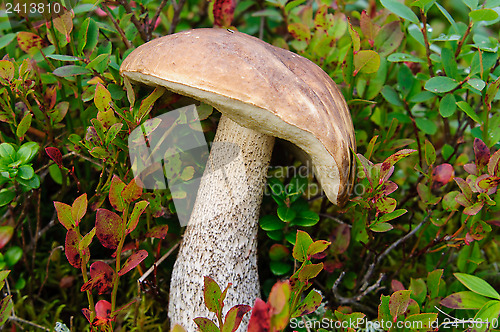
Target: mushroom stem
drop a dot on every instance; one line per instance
(221, 238)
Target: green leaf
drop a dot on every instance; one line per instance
(112, 132)
(82, 35)
(430, 153)
(6, 70)
(440, 84)
(102, 98)
(302, 243)
(8, 153)
(391, 96)
(381, 227)
(133, 220)
(476, 83)
(86, 240)
(447, 105)
(388, 39)
(60, 57)
(100, 63)
(206, 325)
(400, 10)
(392, 215)
(406, 81)
(464, 300)
(423, 321)
(271, 223)
(148, 103)
(64, 215)
(109, 228)
(212, 295)
(27, 152)
(427, 126)
(6, 306)
(6, 196)
(70, 70)
(418, 290)
(309, 305)
(317, 247)
(403, 57)
(25, 172)
(484, 14)
(356, 42)
(464, 106)
(489, 314)
(399, 302)
(310, 271)
(433, 282)
(79, 208)
(13, 255)
(300, 31)
(366, 61)
(448, 17)
(234, 317)
(115, 193)
(286, 213)
(472, 4)
(6, 40)
(477, 285)
(306, 218)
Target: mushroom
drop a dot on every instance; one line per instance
(262, 92)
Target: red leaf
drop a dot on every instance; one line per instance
(71, 249)
(158, 232)
(135, 259)
(260, 321)
(388, 187)
(103, 309)
(234, 316)
(441, 175)
(86, 313)
(109, 228)
(101, 277)
(28, 42)
(55, 155)
(6, 233)
(115, 193)
(391, 160)
(223, 12)
(482, 153)
(471, 168)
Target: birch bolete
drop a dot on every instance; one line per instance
(262, 92)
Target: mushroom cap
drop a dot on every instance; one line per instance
(261, 87)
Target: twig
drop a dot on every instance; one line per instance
(177, 13)
(24, 321)
(372, 266)
(462, 41)
(47, 268)
(155, 18)
(355, 299)
(117, 26)
(426, 42)
(151, 269)
(134, 20)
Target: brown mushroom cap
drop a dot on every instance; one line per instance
(259, 86)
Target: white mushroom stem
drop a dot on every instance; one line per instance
(221, 238)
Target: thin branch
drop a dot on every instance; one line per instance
(462, 41)
(393, 246)
(349, 300)
(117, 26)
(177, 13)
(151, 269)
(155, 18)
(134, 19)
(426, 41)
